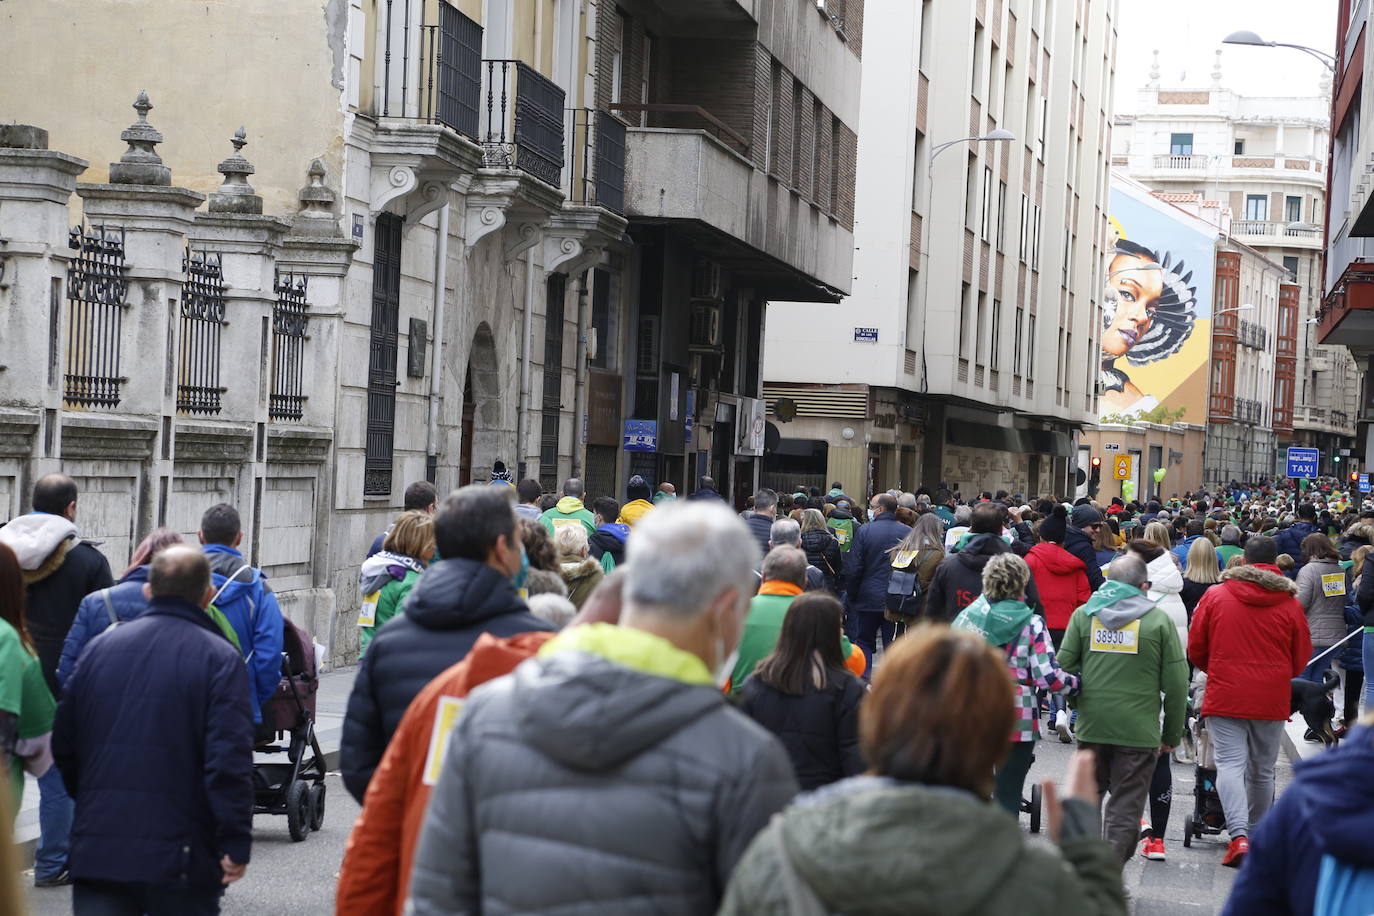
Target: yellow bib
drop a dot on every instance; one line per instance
(1125, 641)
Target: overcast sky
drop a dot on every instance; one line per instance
(1187, 34)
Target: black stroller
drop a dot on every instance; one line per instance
(1207, 817)
(294, 787)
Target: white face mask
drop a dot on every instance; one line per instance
(726, 666)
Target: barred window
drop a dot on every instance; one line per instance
(96, 291)
(289, 320)
(202, 319)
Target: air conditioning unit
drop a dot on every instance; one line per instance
(705, 326)
(706, 281)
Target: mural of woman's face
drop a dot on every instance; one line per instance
(1136, 283)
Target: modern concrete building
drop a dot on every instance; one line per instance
(1263, 160)
(472, 231)
(967, 353)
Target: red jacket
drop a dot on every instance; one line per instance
(1250, 635)
(1062, 580)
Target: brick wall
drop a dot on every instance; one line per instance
(607, 43)
(846, 164)
(719, 76)
(827, 160)
(806, 141)
(854, 26)
(781, 158)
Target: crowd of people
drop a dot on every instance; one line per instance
(664, 705)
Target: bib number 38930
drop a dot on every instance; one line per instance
(1125, 641)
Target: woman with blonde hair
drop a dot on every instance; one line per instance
(920, 552)
(1157, 533)
(1201, 573)
(822, 548)
(388, 576)
(581, 574)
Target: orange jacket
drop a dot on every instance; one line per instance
(375, 875)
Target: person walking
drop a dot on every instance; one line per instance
(1322, 585)
(1129, 656)
(573, 767)
(822, 549)
(420, 496)
(803, 693)
(165, 824)
(246, 600)
(1165, 576)
(1230, 545)
(26, 704)
(1289, 540)
(637, 492)
(569, 509)
(760, 519)
(1249, 635)
(1080, 538)
(471, 591)
(607, 544)
(706, 491)
(1002, 617)
(867, 569)
(892, 840)
(386, 577)
(919, 553)
(60, 569)
(580, 572)
(959, 578)
(786, 532)
(528, 492)
(1062, 581)
(1201, 573)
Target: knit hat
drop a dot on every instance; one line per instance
(1052, 529)
(638, 488)
(1085, 515)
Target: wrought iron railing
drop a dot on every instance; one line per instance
(596, 159)
(96, 291)
(202, 319)
(382, 353)
(431, 72)
(289, 320)
(1252, 335)
(522, 124)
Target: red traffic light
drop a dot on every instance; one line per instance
(1097, 462)
(1355, 475)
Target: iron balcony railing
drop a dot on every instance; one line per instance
(96, 292)
(596, 159)
(202, 320)
(432, 72)
(290, 315)
(522, 120)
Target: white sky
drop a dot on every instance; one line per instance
(1187, 34)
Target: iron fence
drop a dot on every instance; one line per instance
(523, 122)
(596, 159)
(382, 349)
(442, 83)
(289, 320)
(96, 291)
(202, 320)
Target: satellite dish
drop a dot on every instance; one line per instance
(785, 410)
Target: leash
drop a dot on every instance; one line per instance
(1347, 639)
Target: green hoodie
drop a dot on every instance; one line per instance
(999, 622)
(1128, 653)
(569, 508)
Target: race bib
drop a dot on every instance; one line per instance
(367, 614)
(902, 559)
(445, 717)
(1333, 584)
(1125, 641)
(841, 535)
(560, 522)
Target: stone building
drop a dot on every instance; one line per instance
(468, 232)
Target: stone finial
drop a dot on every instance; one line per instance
(316, 216)
(1216, 70)
(1154, 70)
(236, 194)
(140, 163)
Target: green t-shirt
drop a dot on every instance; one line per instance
(23, 693)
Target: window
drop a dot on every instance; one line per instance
(975, 81)
(918, 165)
(775, 121)
(1035, 240)
(620, 28)
(1017, 340)
(817, 114)
(381, 374)
(646, 67)
(971, 193)
(1290, 262)
(1239, 148)
(1292, 209)
(796, 133)
(1040, 129)
(965, 322)
(1030, 348)
(1001, 215)
(1256, 207)
(982, 328)
(1025, 227)
(1180, 144)
(995, 335)
(986, 229)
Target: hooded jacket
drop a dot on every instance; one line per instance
(1128, 652)
(959, 578)
(375, 875)
(581, 575)
(384, 582)
(877, 847)
(454, 603)
(609, 541)
(1166, 592)
(245, 598)
(1289, 541)
(1062, 581)
(633, 511)
(823, 552)
(606, 775)
(1327, 810)
(569, 508)
(59, 570)
(867, 566)
(1081, 546)
(1250, 635)
(1322, 586)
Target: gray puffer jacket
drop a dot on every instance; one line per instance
(580, 786)
(1322, 588)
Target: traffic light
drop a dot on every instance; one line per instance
(1095, 476)
(1336, 458)
(1354, 476)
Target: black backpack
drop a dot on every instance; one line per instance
(904, 594)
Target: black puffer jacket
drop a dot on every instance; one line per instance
(959, 580)
(454, 602)
(51, 602)
(761, 527)
(823, 552)
(820, 728)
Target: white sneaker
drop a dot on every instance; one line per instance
(1145, 828)
(1061, 725)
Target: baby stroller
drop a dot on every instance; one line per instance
(295, 786)
(1207, 817)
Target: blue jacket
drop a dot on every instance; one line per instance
(1079, 544)
(867, 567)
(154, 740)
(1289, 541)
(92, 617)
(252, 611)
(1180, 552)
(1327, 809)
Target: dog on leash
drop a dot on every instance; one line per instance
(1313, 701)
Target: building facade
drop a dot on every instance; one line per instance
(966, 355)
(472, 232)
(1263, 161)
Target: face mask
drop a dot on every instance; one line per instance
(726, 667)
(524, 573)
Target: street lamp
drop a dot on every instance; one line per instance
(1239, 308)
(1000, 135)
(1247, 37)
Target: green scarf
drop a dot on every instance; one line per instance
(998, 622)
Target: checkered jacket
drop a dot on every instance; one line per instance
(1030, 658)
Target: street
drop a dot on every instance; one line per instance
(297, 879)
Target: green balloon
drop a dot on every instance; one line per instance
(1159, 474)
(1128, 489)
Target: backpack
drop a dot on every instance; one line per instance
(215, 614)
(214, 610)
(904, 593)
(844, 532)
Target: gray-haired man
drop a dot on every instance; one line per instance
(786, 532)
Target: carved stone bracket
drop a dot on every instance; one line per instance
(429, 197)
(482, 221)
(527, 235)
(570, 255)
(395, 182)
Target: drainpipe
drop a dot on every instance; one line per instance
(437, 343)
(584, 321)
(523, 420)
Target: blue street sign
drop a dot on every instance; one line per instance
(1302, 462)
(641, 435)
(1364, 483)
(866, 335)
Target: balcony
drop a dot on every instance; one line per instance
(1302, 169)
(522, 121)
(1247, 411)
(1274, 232)
(1252, 335)
(1181, 163)
(596, 160)
(1346, 316)
(432, 73)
